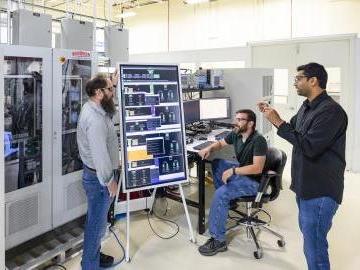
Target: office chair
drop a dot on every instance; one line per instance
(269, 189)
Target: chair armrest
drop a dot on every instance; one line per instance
(264, 183)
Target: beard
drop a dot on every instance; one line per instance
(108, 105)
(302, 92)
(238, 130)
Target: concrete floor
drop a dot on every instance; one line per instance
(150, 252)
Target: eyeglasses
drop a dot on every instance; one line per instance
(299, 77)
(241, 119)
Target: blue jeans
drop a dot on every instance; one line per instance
(315, 219)
(236, 187)
(99, 202)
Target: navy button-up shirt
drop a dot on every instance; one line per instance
(318, 135)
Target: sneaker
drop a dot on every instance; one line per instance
(212, 246)
(106, 260)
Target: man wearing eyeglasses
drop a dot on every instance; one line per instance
(317, 133)
(99, 151)
(232, 179)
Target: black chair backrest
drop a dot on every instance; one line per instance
(275, 161)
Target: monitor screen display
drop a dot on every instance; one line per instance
(152, 130)
(191, 111)
(214, 108)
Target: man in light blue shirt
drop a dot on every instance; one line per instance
(99, 151)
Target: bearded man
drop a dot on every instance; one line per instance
(99, 151)
(232, 179)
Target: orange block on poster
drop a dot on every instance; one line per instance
(138, 155)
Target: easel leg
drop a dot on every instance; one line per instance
(191, 232)
(127, 253)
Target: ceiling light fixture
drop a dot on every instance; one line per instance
(127, 14)
(193, 2)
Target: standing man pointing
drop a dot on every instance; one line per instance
(318, 134)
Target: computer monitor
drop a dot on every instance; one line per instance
(152, 130)
(214, 108)
(191, 111)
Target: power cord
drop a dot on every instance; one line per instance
(163, 219)
(121, 246)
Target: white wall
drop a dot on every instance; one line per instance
(356, 135)
(196, 56)
(232, 23)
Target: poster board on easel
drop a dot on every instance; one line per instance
(152, 130)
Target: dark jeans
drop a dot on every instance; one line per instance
(236, 187)
(99, 202)
(315, 219)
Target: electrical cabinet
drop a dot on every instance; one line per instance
(116, 44)
(31, 28)
(71, 71)
(27, 144)
(77, 35)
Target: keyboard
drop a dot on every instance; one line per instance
(203, 145)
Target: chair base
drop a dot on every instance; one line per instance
(251, 223)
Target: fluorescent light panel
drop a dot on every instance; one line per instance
(192, 2)
(127, 14)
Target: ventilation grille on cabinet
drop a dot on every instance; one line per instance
(23, 214)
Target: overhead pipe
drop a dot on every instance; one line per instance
(62, 11)
(94, 25)
(9, 22)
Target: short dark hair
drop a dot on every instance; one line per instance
(98, 82)
(251, 116)
(315, 70)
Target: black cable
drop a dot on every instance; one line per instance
(121, 246)
(166, 207)
(163, 219)
(55, 265)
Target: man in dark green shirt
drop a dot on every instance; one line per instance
(233, 179)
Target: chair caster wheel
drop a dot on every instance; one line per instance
(258, 254)
(281, 243)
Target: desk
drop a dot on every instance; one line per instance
(194, 157)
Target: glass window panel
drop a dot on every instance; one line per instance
(76, 73)
(22, 122)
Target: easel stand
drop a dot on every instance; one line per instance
(191, 233)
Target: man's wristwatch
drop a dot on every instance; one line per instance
(233, 170)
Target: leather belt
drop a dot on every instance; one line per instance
(90, 169)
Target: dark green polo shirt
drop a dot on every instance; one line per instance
(255, 145)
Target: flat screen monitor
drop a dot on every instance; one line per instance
(191, 111)
(152, 133)
(214, 108)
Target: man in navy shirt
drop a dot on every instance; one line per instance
(317, 133)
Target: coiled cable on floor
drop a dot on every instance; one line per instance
(163, 219)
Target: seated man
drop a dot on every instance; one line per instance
(231, 179)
